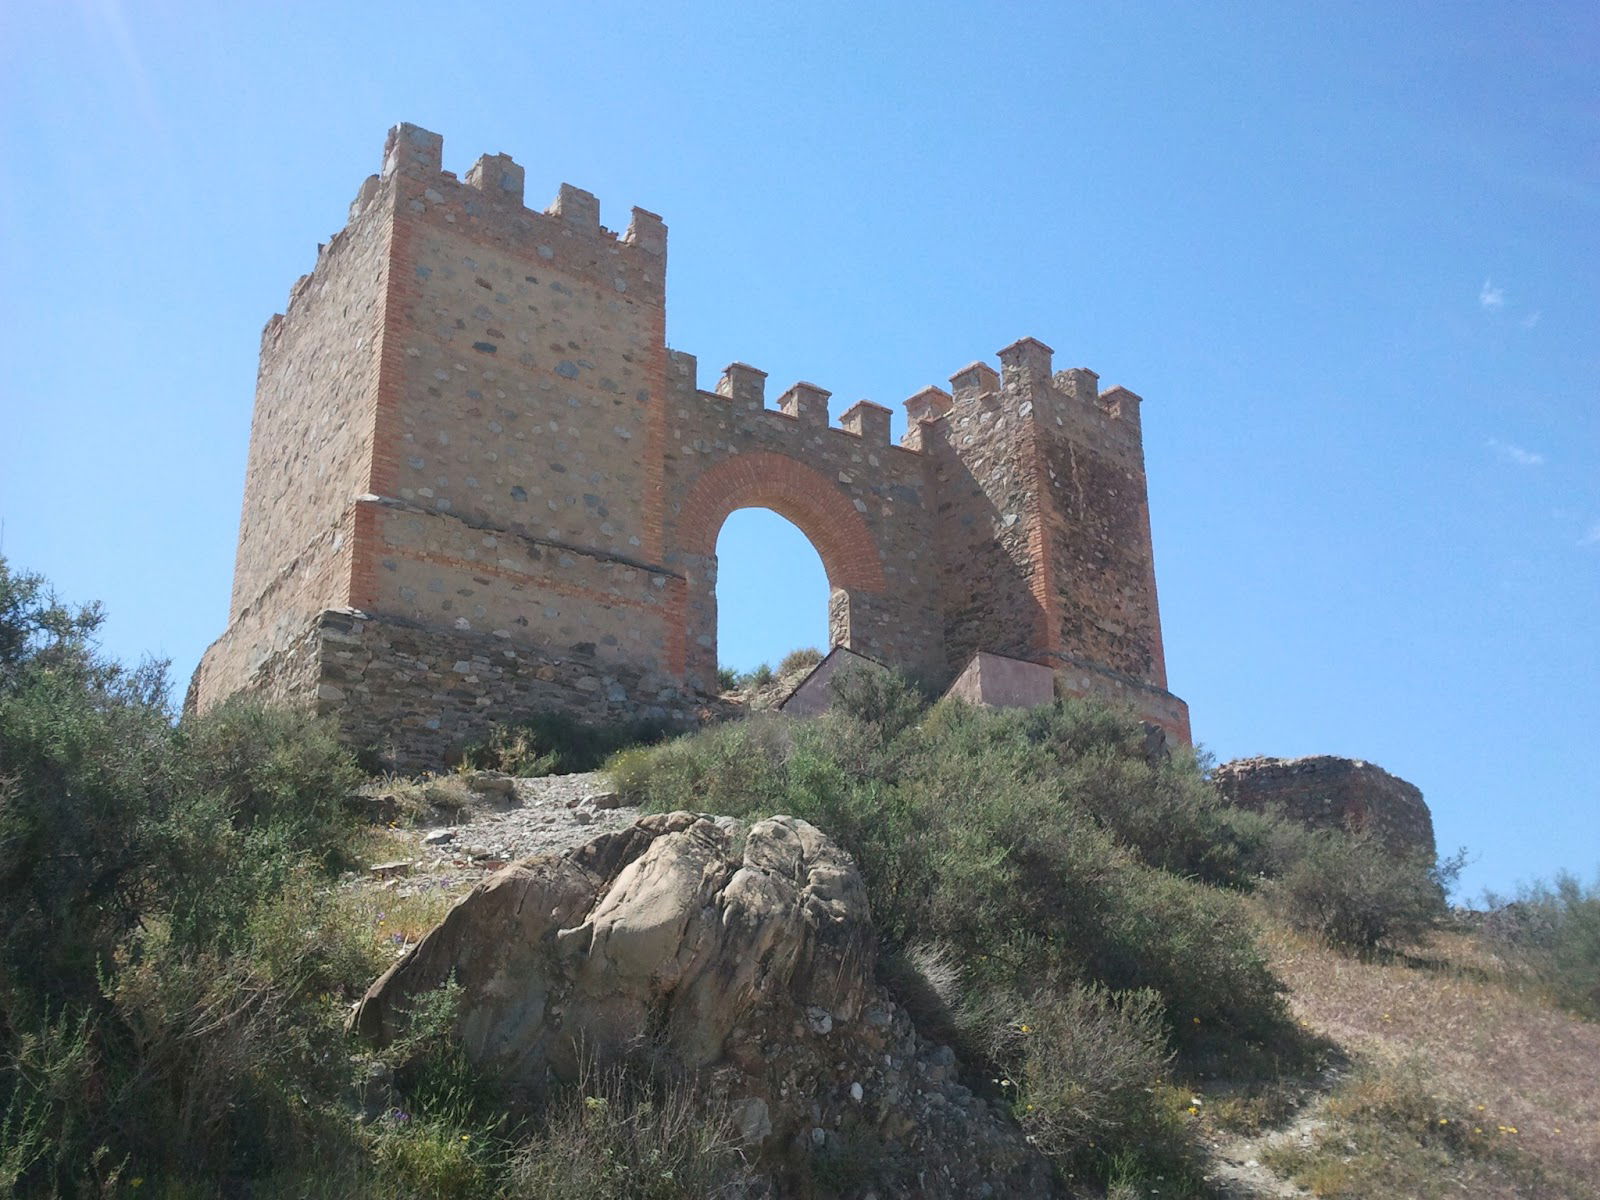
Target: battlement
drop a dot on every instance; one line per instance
(805, 404)
(415, 154)
(1026, 378)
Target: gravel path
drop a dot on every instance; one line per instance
(548, 815)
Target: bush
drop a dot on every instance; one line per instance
(727, 679)
(558, 744)
(1360, 895)
(1084, 1067)
(616, 1134)
(885, 700)
(760, 677)
(138, 1031)
(1553, 931)
(967, 837)
(799, 660)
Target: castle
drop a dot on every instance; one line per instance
(480, 486)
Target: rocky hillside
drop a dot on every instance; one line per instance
(890, 951)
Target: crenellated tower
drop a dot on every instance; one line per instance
(1043, 525)
(480, 485)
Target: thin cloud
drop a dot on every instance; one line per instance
(1532, 319)
(1592, 538)
(1515, 455)
(1491, 297)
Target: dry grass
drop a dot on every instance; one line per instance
(1526, 1073)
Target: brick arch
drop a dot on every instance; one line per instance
(811, 501)
(805, 496)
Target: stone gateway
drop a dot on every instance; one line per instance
(480, 485)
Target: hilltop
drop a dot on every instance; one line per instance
(1044, 958)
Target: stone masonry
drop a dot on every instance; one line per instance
(480, 485)
(1326, 792)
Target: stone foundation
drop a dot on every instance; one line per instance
(415, 697)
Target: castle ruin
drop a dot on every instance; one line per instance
(480, 486)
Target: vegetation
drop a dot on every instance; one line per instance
(994, 837)
(1097, 934)
(1391, 1131)
(793, 663)
(1359, 895)
(1552, 931)
(176, 961)
(556, 743)
(799, 660)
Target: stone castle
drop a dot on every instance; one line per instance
(481, 485)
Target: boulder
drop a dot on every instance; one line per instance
(743, 957)
(659, 926)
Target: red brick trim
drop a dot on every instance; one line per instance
(1041, 504)
(791, 489)
(538, 583)
(761, 479)
(655, 445)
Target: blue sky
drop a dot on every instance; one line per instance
(1347, 253)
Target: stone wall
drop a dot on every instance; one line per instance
(415, 695)
(1331, 793)
(470, 431)
(1044, 528)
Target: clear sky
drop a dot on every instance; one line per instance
(1348, 253)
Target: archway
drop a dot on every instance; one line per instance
(771, 591)
(809, 500)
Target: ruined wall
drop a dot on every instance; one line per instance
(482, 486)
(1331, 793)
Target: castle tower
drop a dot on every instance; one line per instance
(480, 486)
(1044, 527)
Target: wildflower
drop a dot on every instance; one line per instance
(1444, 1120)
(137, 1181)
(1027, 1029)
(466, 1137)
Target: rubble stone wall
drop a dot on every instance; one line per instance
(1326, 792)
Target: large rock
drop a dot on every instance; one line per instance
(1332, 793)
(745, 956)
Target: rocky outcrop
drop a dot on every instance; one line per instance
(1331, 793)
(744, 955)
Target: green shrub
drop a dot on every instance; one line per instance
(1358, 894)
(557, 743)
(617, 1134)
(886, 700)
(139, 1032)
(727, 679)
(760, 677)
(1553, 930)
(1084, 1068)
(967, 837)
(799, 660)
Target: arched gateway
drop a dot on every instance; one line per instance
(480, 486)
(814, 503)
